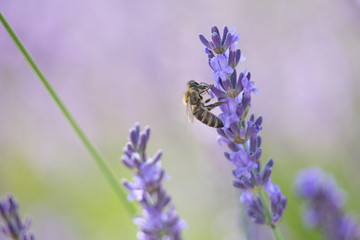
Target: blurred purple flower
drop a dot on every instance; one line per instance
(159, 219)
(243, 163)
(248, 85)
(324, 203)
(13, 227)
(277, 200)
(240, 135)
(254, 207)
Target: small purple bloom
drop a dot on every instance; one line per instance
(229, 109)
(220, 66)
(248, 85)
(277, 199)
(159, 219)
(13, 227)
(243, 164)
(253, 207)
(234, 37)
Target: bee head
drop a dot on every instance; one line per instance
(193, 84)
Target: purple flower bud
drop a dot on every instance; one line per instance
(258, 154)
(216, 40)
(247, 182)
(240, 110)
(245, 101)
(277, 199)
(134, 137)
(210, 55)
(237, 57)
(226, 42)
(265, 175)
(137, 129)
(127, 162)
(142, 143)
(221, 139)
(221, 132)
(258, 121)
(251, 130)
(235, 128)
(135, 158)
(130, 147)
(253, 144)
(147, 133)
(218, 93)
(258, 179)
(258, 141)
(227, 85)
(156, 157)
(204, 41)
(248, 76)
(238, 84)
(253, 207)
(233, 147)
(229, 135)
(225, 35)
(239, 184)
(233, 79)
(214, 29)
(242, 133)
(252, 118)
(231, 60)
(227, 156)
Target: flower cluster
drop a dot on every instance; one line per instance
(324, 203)
(159, 219)
(13, 227)
(241, 136)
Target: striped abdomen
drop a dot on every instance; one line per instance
(205, 116)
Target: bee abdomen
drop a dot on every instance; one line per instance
(206, 117)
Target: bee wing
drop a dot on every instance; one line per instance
(189, 110)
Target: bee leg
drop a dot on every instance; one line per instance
(214, 105)
(205, 90)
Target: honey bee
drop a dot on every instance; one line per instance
(195, 107)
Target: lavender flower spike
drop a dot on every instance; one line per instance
(241, 135)
(159, 219)
(13, 227)
(324, 203)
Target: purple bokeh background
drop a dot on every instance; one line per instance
(117, 62)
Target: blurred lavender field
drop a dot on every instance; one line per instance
(117, 62)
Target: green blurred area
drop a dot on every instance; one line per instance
(118, 62)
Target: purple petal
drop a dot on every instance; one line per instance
(204, 41)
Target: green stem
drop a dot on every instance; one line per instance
(277, 233)
(94, 153)
(265, 201)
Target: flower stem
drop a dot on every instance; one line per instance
(94, 153)
(277, 233)
(265, 201)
